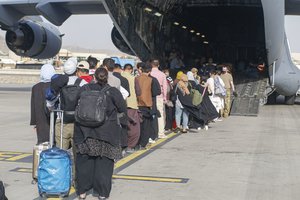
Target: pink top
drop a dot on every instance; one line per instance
(162, 79)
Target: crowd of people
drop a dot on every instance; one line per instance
(139, 108)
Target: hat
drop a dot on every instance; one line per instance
(194, 70)
(70, 66)
(83, 65)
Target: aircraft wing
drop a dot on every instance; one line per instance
(292, 7)
(55, 11)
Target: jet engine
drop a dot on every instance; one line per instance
(34, 39)
(119, 42)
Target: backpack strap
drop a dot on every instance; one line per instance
(204, 91)
(78, 81)
(175, 89)
(105, 88)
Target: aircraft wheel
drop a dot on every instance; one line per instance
(272, 98)
(290, 100)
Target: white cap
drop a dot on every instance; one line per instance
(70, 66)
(83, 65)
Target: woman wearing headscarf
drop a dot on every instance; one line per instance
(190, 76)
(202, 114)
(182, 90)
(98, 147)
(178, 77)
(39, 117)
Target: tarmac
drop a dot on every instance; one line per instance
(240, 158)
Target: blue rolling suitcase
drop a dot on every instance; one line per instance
(55, 167)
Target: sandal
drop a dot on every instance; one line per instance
(184, 131)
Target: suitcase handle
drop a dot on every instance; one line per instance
(52, 127)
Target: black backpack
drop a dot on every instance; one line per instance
(91, 108)
(68, 100)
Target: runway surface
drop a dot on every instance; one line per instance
(240, 158)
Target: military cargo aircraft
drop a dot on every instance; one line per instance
(228, 30)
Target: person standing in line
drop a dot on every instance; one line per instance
(98, 147)
(229, 86)
(132, 109)
(169, 107)
(70, 70)
(220, 91)
(156, 90)
(124, 82)
(145, 104)
(215, 99)
(39, 118)
(93, 63)
(124, 89)
(161, 100)
(180, 112)
(109, 65)
(178, 78)
(117, 72)
(83, 71)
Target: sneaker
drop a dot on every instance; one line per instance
(102, 198)
(129, 150)
(152, 141)
(123, 153)
(199, 128)
(219, 119)
(162, 136)
(214, 120)
(206, 127)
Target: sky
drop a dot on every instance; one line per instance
(93, 32)
(88, 31)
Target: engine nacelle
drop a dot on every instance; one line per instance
(34, 39)
(119, 42)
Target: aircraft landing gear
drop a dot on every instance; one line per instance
(290, 100)
(272, 98)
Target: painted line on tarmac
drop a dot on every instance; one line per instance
(138, 155)
(11, 156)
(150, 178)
(131, 159)
(125, 177)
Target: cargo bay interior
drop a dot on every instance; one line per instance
(225, 33)
(229, 32)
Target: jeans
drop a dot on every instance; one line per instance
(185, 117)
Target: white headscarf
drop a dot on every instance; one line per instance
(70, 66)
(47, 71)
(190, 76)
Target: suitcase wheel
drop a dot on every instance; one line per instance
(34, 181)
